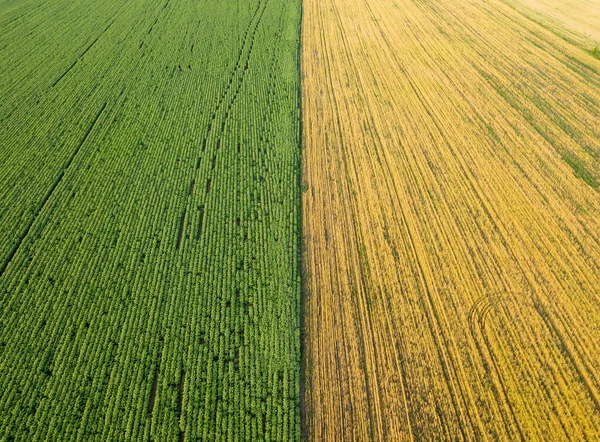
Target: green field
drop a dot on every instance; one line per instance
(150, 212)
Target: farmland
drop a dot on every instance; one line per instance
(272, 220)
(149, 159)
(577, 21)
(451, 220)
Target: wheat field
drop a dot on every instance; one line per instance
(577, 21)
(451, 213)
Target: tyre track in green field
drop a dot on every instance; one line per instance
(48, 195)
(83, 53)
(243, 59)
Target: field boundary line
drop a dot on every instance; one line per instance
(300, 236)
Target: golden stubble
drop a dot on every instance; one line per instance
(451, 224)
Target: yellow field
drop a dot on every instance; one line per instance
(576, 20)
(451, 224)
